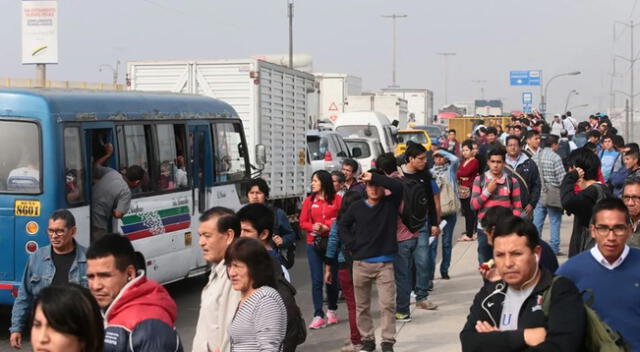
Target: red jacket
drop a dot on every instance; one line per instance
(317, 210)
(142, 318)
(467, 173)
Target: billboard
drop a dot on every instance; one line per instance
(39, 32)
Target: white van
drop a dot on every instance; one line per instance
(367, 124)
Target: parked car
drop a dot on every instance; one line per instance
(365, 151)
(435, 132)
(326, 150)
(367, 124)
(415, 135)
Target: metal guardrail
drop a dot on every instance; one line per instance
(33, 83)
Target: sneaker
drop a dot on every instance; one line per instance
(386, 347)
(332, 317)
(368, 346)
(317, 323)
(426, 304)
(445, 276)
(404, 318)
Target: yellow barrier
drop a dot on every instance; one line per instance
(464, 125)
(33, 83)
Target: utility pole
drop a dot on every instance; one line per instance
(41, 75)
(446, 75)
(393, 64)
(290, 14)
(630, 118)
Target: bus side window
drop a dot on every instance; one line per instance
(229, 163)
(135, 152)
(172, 172)
(73, 167)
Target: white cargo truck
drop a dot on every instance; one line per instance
(333, 90)
(391, 106)
(419, 103)
(270, 99)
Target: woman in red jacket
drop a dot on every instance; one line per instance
(467, 172)
(319, 210)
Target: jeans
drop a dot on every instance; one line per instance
(346, 282)
(470, 216)
(316, 268)
(555, 218)
(485, 251)
(421, 262)
(447, 238)
(402, 264)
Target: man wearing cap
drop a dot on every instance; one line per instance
(60, 262)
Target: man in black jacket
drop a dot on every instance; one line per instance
(527, 171)
(507, 315)
(368, 230)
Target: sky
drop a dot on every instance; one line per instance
(490, 38)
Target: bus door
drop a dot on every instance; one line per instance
(96, 136)
(201, 157)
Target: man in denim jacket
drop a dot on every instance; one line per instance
(61, 262)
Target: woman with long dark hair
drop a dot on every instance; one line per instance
(66, 318)
(467, 172)
(335, 252)
(319, 210)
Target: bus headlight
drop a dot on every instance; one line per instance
(32, 227)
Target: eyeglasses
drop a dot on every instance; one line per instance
(56, 232)
(635, 199)
(618, 230)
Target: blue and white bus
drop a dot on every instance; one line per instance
(193, 149)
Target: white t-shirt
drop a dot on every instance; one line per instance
(511, 308)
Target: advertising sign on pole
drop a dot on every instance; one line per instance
(39, 32)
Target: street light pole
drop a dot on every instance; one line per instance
(393, 63)
(631, 59)
(114, 71)
(446, 74)
(566, 104)
(543, 99)
(290, 14)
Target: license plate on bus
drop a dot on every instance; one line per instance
(27, 208)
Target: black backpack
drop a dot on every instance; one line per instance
(296, 332)
(414, 197)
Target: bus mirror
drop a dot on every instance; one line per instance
(261, 155)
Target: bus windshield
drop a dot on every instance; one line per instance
(20, 161)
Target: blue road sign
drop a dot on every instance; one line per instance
(524, 78)
(526, 109)
(527, 98)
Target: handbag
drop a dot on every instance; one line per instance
(464, 192)
(320, 243)
(552, 197)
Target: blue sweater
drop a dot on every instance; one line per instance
(616, 292)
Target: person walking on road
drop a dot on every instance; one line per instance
(319, 210)
(62, 261)
(494, 188)
(218, 228)
(467, 172)
(552, 173)
(631, 198)
(584, 166)
(527, 172)
(507, 315)
(260, 321)
(139, 314)
(610, 270)
(336, 252)
(368, 229)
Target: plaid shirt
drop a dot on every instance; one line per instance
(550, 167)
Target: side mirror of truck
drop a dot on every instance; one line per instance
(261, 155)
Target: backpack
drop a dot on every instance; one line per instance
(586, 241)
(414, 197)
(449, 202)
(599, 337)
(296, 327)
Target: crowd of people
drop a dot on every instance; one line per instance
(379, 227)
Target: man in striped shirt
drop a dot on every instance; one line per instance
(494, 188)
